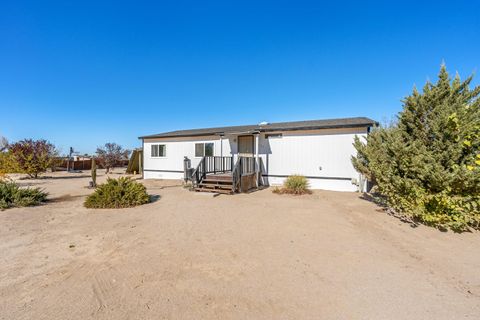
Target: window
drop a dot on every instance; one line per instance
(199, 149)
(273, 135)
(209, 149)
(203, 149)
(159, 150)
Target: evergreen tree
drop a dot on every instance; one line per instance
(427, 165)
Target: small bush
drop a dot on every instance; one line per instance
(295, 184)
(11, 195)
(118, 193)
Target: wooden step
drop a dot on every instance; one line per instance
(215, 183)
(198, 189)
(213, 186)
(219, 183)
(219, 179)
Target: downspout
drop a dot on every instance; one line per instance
(257, 159)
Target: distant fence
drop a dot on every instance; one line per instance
(84, 165)
(75, 165)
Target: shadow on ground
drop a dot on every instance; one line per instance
(56, 177)
(154, 198)
(65, 198)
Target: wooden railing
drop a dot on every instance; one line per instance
(244, 166)
(237, 175)
(212, 164)
(248, 165)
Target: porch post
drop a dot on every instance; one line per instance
(221, 145)
(257, 158)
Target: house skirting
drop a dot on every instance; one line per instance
(315, 182)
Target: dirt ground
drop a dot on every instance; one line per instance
(328, 255)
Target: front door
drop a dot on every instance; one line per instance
(245, 146)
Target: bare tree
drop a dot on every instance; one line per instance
(111, 154)
(3, 144)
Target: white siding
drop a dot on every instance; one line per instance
(324, 156)
(171, 166)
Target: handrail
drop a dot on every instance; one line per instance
(217, 164)
(243, 166)
(197, 174)
(237, 175)
(212, 164)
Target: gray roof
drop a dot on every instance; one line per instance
(279, 126)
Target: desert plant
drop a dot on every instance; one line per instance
(427, 165)
(118, 193)
(94, 173)
(11, 195)
(32, 156)
(294, 184)
(111, 154)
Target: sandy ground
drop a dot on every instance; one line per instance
(328, 255)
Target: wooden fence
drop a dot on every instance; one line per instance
(84, 165)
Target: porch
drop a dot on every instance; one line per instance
(220, 174)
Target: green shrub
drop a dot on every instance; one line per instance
(11, 195)
(118, 193)
(294, 184)
(427, 165)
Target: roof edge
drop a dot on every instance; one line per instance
(367, 124)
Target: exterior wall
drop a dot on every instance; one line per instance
(171, 166)
(323, 156)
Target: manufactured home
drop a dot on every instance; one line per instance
(231, 159)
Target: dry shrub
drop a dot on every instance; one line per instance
(295, 184)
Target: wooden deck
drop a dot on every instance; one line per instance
(227, 176)
(219, 174)
(217, 182)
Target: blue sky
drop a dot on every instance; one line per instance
(83, 73)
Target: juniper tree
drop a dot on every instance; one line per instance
(427, 165)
